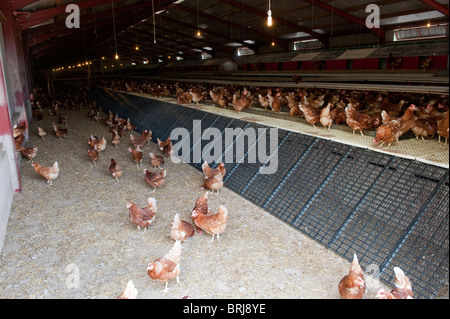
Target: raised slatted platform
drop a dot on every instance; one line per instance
(391, 211)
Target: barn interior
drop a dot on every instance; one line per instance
(203, 68)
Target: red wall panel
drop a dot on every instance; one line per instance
(409, 63)
(293, 65)
(336, 65)
(366, 64)
(272, 66)
(439, 62)
(308, 65)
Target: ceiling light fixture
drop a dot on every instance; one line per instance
(114, 25)
(269, 15)
(154, 23)
(198, 21)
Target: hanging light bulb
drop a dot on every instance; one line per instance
(198, 21)
(269, 18)
(137, 48)
(269, 15)
(114, 25)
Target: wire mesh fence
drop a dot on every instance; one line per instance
(390, 211)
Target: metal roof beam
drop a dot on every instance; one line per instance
(231, 24)
(106, 32)
(128, 53)
(171, 31)
(19, 4)
(33, 41)
(207, 32)
(81, 38)
(35, 18)
(324, 39)
(147, 44)
(150, 50)
(162, 6)
(437, 6)
(90, 17)
(379, 32)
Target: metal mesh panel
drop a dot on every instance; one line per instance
(390, 211)
(140, 110)
(379, 225)
(263, 188)
(310, 171)
(160, 119)
(423, 250)
(149, 115)
(228, 147)
(247, 166)
(198, 145)
(336, 199)
(220, 123)
(201, 116)
(131, 106)
(179, 119)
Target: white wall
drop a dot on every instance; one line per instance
(6, 191)
(9, 175)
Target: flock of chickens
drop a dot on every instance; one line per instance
(52, 172)
(390, 114)
(351, 286)
(167, 267)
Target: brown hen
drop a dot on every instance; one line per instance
(353, 286)
(212, 224)
(155, 180)
(181, 229)
(142, 217)
(167, 267)
(402, 290)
